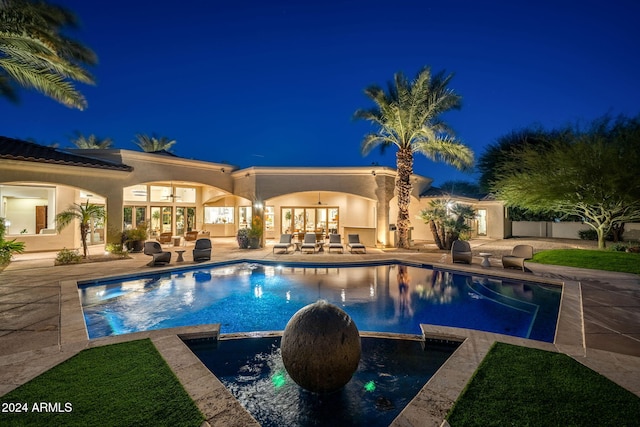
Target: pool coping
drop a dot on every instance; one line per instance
(428, 408)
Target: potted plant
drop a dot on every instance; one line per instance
(134, 238)
(255, 232)
(243, 238)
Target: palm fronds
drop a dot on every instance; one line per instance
(34, 52)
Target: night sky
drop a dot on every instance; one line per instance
(275, 83)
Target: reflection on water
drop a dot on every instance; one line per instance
(383, 298)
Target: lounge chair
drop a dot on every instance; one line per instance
(335, 242)
(285, 243)
(519, 254)
(309, 242)
(354, 243)
(202, 250)
(165, 237)
(191, 236)
(154, 250)
(461, 251)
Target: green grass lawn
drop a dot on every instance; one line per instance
(596, 259)
(527, 387)
(118, 385)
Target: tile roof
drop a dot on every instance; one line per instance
(15, 149)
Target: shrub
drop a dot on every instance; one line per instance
(243, 238)
(619, 247)
(116, 249)
(68, 256)
(8, 248)
(588, 234)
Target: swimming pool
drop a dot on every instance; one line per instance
(245, 297)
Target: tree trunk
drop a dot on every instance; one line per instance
(436, 236)
(601, 238)
(83, 236)
(404, 162)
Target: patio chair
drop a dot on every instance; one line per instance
(519, 254)
(202, 250)
(354, 243)
(165, 237)
(461, 251)
(309, 242)
(191, 236)
(335, 242)
(160, 257)
(285, 243)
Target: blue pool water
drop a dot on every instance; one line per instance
(248, 297)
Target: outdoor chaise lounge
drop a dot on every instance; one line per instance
(285, 243)
(335, 242)
(202, 250)
(461, 251)
(519, 254)
(309, 242)
(354, 243)
(154, 250)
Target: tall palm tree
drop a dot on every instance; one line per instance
(91, 142)
(84, 213)
(34, 52)
(154, 143)
(408, 116)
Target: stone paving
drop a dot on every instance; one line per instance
(41, 321)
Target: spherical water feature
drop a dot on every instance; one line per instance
(321, 347)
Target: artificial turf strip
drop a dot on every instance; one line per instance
(117, 385)
(527, 387)
(623, 262)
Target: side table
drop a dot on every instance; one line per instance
(485, 259)
(180, 259)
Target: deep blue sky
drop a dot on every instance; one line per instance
(276, 83)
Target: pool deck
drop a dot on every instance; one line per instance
(41, 322)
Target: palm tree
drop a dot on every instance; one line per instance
(35, 53)
(153, 143)
(84, 213)
(91, 142)
(408, 117)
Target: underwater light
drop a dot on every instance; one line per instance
(278, 379)
(370, 386)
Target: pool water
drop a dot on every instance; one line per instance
(247, 297)
(391, 372)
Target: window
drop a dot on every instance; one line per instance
(185, 194)
(135, 193)
(160, 193)
(218, 215)
(309, 220)
(481, 216)
(269, 213)
(28, 209)
(245, 216)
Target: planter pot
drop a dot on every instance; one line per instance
(135, 245)
(254, 243)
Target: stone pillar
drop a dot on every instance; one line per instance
(384, 193)
(115, 214)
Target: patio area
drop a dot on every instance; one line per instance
(42, 323)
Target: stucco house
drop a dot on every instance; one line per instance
(175, 195)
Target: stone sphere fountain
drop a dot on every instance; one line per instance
(321, 347)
